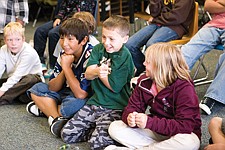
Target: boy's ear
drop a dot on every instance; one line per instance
(125, 38)
(85, 40)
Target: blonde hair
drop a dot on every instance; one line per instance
(117, 22)
(12, 28)
(88, 19)
(169, 63)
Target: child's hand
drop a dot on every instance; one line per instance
(141, 120)
(56, 23)
(67, 60)
(131, 119)
(103, 71)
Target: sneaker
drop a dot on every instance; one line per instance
(57, 126)
(48, 73)
(34, 110)
(206, 105)
(44, 67)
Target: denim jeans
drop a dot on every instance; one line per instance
(42, 33)
(203, 41)
(216, 88)
(147, 36)
(69, 104)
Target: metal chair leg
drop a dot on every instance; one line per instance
(38, 12)
(202, 80)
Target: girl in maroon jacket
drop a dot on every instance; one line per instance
(173, 119)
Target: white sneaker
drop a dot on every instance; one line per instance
(34, 110)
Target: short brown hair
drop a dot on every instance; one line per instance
(88, 18)
(75, 27)
(117, 22)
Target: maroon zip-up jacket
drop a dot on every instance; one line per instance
(175, 109)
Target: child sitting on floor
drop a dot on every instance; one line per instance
(167, 91)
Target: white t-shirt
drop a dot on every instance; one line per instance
(16, 66)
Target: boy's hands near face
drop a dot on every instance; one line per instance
(67, 60)
(103, 71)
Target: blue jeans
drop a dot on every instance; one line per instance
(216, 88)
(69, 104)
(203, 41)
(42, 33)
(147, 36)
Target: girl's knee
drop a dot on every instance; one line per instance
(115, 127)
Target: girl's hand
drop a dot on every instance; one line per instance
(141, 120)
(131, 119)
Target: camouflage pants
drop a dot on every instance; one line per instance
(91, 124)
(18, 91)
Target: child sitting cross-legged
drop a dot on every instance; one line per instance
(167, 92)
(20, 67)
(68, 89)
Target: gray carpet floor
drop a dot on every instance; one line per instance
(22, 131)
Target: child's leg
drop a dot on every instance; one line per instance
(19, 90)
(130, 137)
(100, 137)
(78, 128)
(178, 141)
(70, 105)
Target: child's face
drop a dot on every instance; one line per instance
(70, 45)
(14, 42)
(149, 68)
(112, 40)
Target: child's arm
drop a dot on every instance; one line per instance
(221, 2)
(56, 83)
(101, 72)
(74, 84)
(213, 6)
(72, 81)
